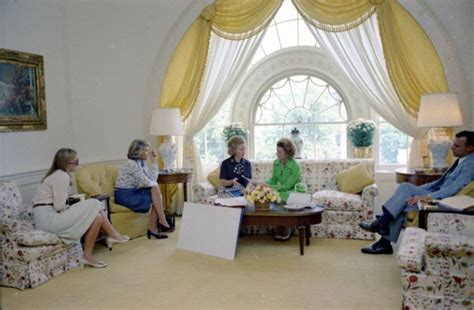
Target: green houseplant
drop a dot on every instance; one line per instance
(361, 132)
(234, 129)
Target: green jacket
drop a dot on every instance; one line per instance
(285, 177)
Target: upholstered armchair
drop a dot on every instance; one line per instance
(29, 257)
(98, 179)
(437, 265)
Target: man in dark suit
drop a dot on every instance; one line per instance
(407, 195)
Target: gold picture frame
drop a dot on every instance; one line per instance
(22, 92)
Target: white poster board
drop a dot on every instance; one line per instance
(208, 229)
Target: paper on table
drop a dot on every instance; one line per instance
(462, 202)
(231, 202)
(299, 199)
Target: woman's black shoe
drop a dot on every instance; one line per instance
(163, 228)
(149, 233)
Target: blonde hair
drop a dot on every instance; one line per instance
(234, 143)
(136, 147)
(61, 160)
(288, 146)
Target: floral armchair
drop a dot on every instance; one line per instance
(437, 266)
(29, 257)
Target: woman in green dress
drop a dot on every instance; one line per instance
(285, 175)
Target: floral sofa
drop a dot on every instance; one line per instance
(343, 211)
(29, 257)
(437, 265)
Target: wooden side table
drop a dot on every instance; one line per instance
(176, 177)
(417, 178)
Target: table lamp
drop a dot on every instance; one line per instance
(167, 122)
(439, 111)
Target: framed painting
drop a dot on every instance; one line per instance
(22, 91)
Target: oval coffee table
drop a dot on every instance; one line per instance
(279, 216)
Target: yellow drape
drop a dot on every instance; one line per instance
(413, 64)
(230, 19)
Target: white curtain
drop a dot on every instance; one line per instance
(227, 61)
(359, 53)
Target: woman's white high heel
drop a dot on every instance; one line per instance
(84, 262)
(110, 241)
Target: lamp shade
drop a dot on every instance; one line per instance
(166, 122)
(439, 110)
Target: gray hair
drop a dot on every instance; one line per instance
(136, 147)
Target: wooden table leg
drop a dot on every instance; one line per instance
(301, 234)
(185, 189)
(308, 234)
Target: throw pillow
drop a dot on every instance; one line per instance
(467, 190)
(36, 237)
(354, 180)
(214, 179)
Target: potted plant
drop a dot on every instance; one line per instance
(361, 134)
(234, 129)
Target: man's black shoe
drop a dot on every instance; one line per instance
(378, 248)
(375, 227)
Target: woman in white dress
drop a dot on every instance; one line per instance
(71, 222)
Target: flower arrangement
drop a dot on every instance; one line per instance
(361, 132)
(234, 129)
(261, 194)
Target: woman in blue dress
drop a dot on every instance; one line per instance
(136, 186)
(236, 171)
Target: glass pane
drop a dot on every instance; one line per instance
(287, 32)
(266, 138)
(394, 146)
(212, 147)
(270, 42)
(287, 12)
(305, 36)
(324, 141)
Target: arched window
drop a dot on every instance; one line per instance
(309, 104)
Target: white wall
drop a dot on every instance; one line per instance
(97, 57)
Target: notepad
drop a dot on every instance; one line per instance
(462, 202)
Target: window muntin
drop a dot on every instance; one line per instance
(309, 104)
(287, 29)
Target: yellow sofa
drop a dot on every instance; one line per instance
(96, 179)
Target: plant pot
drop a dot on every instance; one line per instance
(363, 152)
(262, 206)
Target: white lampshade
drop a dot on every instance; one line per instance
(166, 122)
(439, 110)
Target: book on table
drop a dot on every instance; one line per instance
(461, 203)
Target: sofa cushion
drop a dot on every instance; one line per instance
(214, 179)
(335, 200)
(354, 179)
(35, 237)
(90, 178)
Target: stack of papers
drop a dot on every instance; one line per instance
(231, 201)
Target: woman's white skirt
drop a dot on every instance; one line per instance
(70, 224)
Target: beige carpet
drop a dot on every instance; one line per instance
(153, 274)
